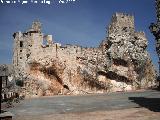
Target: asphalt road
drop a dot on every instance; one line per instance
(88, 103)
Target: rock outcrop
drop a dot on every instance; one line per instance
(120, 63)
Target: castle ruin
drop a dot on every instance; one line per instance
(120, 63)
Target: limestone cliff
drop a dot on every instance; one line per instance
(120, 63)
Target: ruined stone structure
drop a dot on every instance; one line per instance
(120, 63)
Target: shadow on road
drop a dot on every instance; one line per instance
(152, 104)
(157, 89)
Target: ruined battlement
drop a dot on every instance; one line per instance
(121, 22)
(140, 33)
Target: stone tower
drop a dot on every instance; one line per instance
(121, 22)
(27, 46)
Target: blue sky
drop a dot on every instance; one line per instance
(82, 22)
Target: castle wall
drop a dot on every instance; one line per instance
(118, 64)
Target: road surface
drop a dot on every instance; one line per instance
(82, 106)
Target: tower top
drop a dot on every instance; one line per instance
(123, 19)
(36, 26)
(121, 22)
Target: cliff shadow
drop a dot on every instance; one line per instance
(152, 104)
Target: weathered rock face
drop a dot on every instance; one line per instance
(120, 63)
(126, 52)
